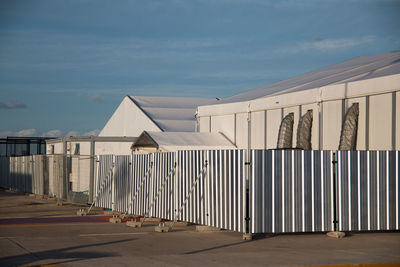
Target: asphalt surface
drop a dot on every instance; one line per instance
(36, 231)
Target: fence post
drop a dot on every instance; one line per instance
(91, 169)
(334, 166)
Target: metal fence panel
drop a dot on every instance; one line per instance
(368, 190)
(103, 183)
(290, 191)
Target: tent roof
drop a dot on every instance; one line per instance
(172, 141)
(172, 114)
(360, 68)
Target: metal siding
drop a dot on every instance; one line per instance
(290, 191)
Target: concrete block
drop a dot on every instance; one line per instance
(59, 203)
(247, 236)
(204, 228)
(97, 209)
(339, 235)
(39, 196)
(161, 229)
(111, 213)
(177, 224)
(115, 220)
(134, 224)
(81, 212)
(152, 220)
(31, 195)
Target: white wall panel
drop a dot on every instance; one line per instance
(332, 124)
(204, 124)
(224, 124)
(115, 148)
(380, 122)
(274, 118)
(84, 148)
(241, 130)
(258, 130)
(398, 121)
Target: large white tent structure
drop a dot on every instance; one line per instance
(253, 119)
(136, 114)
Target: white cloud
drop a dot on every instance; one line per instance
(53, 133)
(329, 44)
(12, 105)
(95, 98)
(26, 132)
(94, 132)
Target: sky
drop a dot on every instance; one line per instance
(66, 65)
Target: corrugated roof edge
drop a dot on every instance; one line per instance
(231, 99)
(144, 112)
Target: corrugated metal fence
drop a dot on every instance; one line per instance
(289, 190)
(26, 174)
(47, 175)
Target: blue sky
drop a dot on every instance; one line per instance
(66, 65)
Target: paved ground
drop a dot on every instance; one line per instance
(70, 242)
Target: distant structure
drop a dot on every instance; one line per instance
(136, 114)
(23, 146)
(318, 102)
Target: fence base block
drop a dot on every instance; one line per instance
(115, 220)
(339, 235)
(204, 228)
(247, 236)
(152, 220)
(112, 213)
(161, 229)
(134, 224)
(81, 212)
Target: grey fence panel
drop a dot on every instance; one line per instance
(25, 174)
(218, 198)
(4, 172)
(39, 175)
(142, 168)
(122, 180)
(368, 190)
(162, 193)
(104, 182)
(290, 191)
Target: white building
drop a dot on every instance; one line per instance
(136, 114)
(252, 119)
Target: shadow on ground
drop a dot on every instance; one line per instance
(58, 256)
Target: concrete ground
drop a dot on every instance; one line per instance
(52, 238)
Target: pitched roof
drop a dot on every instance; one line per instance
(173, 141)
(360, 68)
(172, 114)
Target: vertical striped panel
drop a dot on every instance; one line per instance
(103, 196)
(369, 190)
(291, 191)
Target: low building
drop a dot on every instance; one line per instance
(371, 84)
